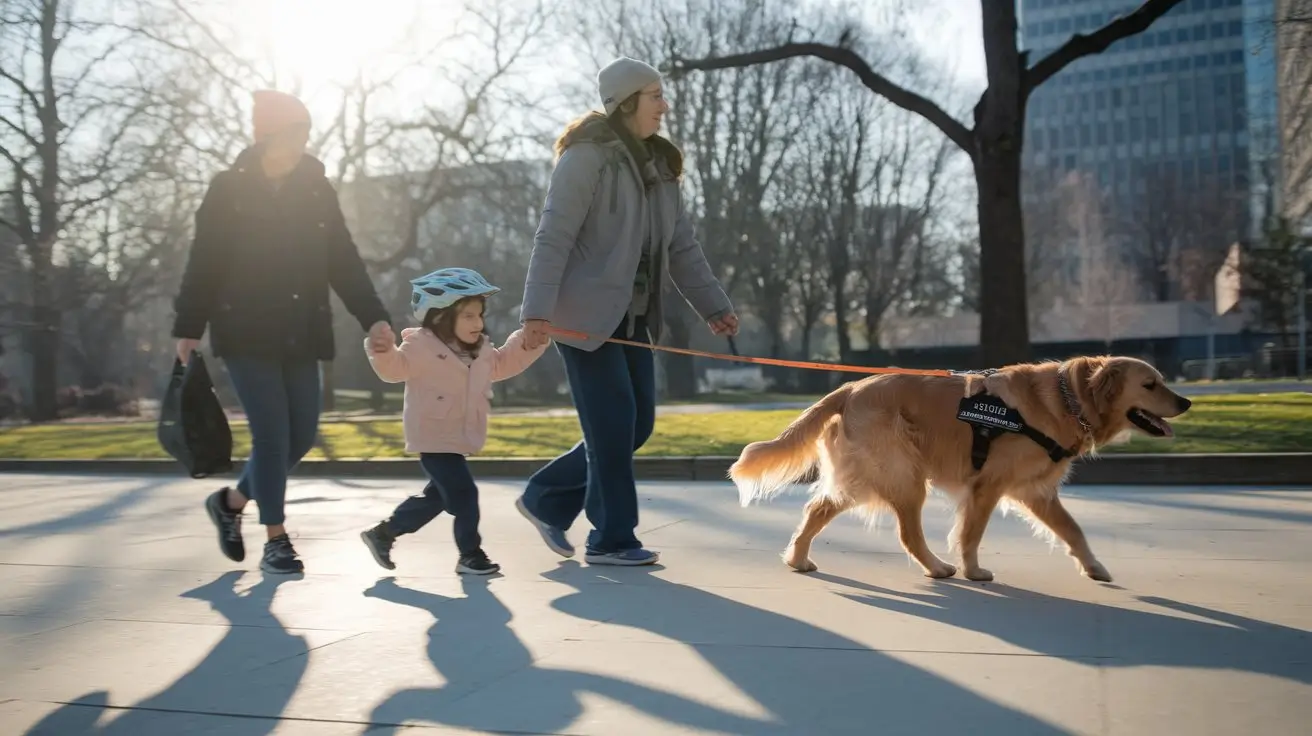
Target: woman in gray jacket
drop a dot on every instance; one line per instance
(613, 229)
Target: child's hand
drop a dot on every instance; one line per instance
(381, 338)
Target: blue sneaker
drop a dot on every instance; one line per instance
(553, 536)
(627, 558)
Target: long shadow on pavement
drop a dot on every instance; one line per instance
(1126, 638)
(91, 516)
(810, 679)
(472, 646)
(218, 685)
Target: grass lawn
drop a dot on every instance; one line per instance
(1224, 423)
(348, 401)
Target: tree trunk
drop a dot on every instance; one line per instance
(43, 347)
(1004, 330)
(1004, 323)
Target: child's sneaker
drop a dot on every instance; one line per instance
(476, 563)
(280, 557)
(379, 540)
(626, 558)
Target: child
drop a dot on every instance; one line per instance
(448, 367)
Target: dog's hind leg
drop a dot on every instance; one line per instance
(1054, 515)
(819, 511)
(907, 504)
(972, 518)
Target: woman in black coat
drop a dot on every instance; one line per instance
(270, 242)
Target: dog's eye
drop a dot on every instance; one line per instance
(1151, 385)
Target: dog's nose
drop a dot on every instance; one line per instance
(1184, 404)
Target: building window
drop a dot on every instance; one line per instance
(1118, 132)
(1186, 124)
(1182, 35)
(1236, 28)
(1102, 134)
(1200, 61)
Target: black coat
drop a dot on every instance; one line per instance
(263, 260)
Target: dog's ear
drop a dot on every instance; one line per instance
(1105, 385)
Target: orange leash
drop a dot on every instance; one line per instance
(803, 364)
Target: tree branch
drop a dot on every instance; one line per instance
(1097, 42)
(904, 98)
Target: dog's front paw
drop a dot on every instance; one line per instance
(979, 575)
(943, 570)
(797, 562)
(1096, 572)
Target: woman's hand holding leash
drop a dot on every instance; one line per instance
(725, 325)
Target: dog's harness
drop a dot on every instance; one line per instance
(990, 417)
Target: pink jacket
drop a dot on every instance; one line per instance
(447, 403)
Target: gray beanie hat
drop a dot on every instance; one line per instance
(621, 78)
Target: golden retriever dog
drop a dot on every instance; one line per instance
(883, 441)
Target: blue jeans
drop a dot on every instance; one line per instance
(451, 488)
(614, 391)
(281, 399)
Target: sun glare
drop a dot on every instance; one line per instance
(316, 43)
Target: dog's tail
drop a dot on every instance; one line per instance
(765, 468)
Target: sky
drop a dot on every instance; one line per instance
(322, 40)
(949, 32)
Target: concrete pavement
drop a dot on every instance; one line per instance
(118, 616)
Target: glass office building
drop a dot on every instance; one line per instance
(1192, 100)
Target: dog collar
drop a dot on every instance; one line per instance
(1072, 401)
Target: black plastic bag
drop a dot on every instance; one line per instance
(192, 426)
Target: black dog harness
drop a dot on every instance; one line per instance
(990, 416)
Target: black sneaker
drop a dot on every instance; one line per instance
(228, 523)
(280, 558)
(379, 541)
(476, 563)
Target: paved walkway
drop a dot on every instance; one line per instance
(118, 616)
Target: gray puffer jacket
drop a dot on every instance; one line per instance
(589, 241)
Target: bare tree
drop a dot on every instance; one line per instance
(994, 142)
(1178, 236)
(79, 128)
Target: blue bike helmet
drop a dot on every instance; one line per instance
(444, 287)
